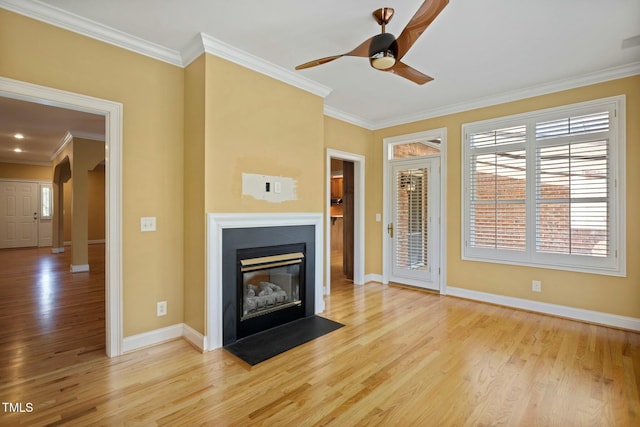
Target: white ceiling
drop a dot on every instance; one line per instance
(44, 129)
(479, 52)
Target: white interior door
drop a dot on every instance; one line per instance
(18, 214)
(414, 229)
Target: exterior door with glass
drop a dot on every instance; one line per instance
(414, 229)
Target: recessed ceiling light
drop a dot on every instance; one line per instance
(17, 150)
(18, 136)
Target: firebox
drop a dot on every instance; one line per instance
(271, 287)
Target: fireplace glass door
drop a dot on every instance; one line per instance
(270, 283)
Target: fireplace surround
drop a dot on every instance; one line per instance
(229, 237)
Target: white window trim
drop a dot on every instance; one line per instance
(614, 265)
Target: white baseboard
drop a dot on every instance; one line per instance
(161, 335)
(57, 250)
(373, 278)
(154, 337)
(597, 317)
(79, 268)
(89, 242)
(194, 337)
(185, 331)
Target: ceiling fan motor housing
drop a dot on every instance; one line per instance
(383, 51)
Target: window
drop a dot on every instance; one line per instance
(46, 201)
(546, 188)
(415, 149)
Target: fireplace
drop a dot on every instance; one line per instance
(270, 287)
(252, 241)
(229, 232)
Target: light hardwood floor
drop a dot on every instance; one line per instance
(405, 357)
(49, 317)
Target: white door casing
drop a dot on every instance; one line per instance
(438, 224)
(358, 213)
(113, 113)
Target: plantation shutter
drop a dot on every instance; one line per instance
(572, 196)
(497, 189)
(547, 188)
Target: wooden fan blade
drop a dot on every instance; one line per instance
(425, 15)
(318, 62)
(403, 70)
(361, 50)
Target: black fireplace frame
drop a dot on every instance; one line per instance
(235, 239)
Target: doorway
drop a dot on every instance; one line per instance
(112, 113)
(344, 217)
(341, 219)
(413, 228)
(414, 240)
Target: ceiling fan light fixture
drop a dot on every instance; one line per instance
(383, 60)
(384, 51)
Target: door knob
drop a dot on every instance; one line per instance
(390, 229)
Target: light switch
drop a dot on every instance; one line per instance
(148, 223)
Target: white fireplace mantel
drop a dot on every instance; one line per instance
(218, 222)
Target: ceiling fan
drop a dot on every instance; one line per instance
(385, 51)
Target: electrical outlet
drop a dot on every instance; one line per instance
(162, 308)
(536, 286)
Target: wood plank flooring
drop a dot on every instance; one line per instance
(49, 317)
(404, 358)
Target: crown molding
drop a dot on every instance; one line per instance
(68, 137)
(193, 50)
(64, 141)
(601, 76)
(205, 43)
(349, 118)
(87, 27)
(202, 43)
(87, 135)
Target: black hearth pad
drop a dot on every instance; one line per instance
(264, 345)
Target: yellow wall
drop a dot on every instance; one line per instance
(25, 172)
(615, 295)
(96, 205)
(87, 155)
(259, 125)
(194, 193)
(152, 96)
(238, 121)
(67, 222)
